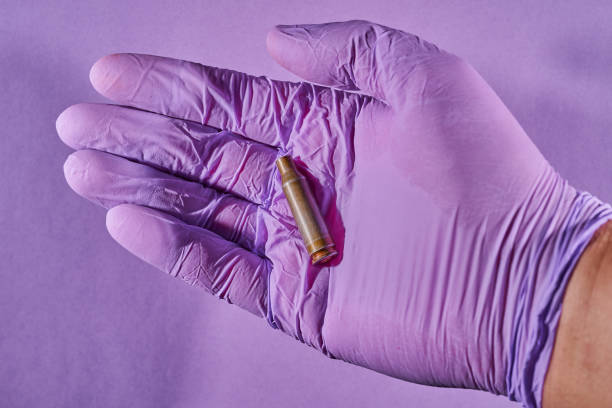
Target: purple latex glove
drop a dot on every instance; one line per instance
(456, 236)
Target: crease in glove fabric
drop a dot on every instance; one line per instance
(455, 236)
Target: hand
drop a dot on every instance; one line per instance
(456, 237)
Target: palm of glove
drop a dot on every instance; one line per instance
(426, 166)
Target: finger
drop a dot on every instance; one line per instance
(195, 255)
(255, 107)
(221, 160)
(351, 55)
(110, 180)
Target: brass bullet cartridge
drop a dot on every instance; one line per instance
(306, 212)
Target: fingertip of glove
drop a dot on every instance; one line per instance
(103, 72)
(144, 232)
(117, 216)
(70, 168)
(98, 71)
(72, 124)
(286, 48)
(80, 172)
(75, 169)
(112, 219)
(274, 41)
(115, 219)
(60, 125)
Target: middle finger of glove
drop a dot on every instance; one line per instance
(219, 159)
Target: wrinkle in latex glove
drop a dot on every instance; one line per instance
(456, 238)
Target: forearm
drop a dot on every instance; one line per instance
(580, 371)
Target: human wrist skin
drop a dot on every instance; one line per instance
(579, 370)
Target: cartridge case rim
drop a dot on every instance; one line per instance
(323, 255)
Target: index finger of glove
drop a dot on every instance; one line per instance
(255, 107)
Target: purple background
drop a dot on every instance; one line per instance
(83, 323)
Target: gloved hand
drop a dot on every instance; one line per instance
(456, 237)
